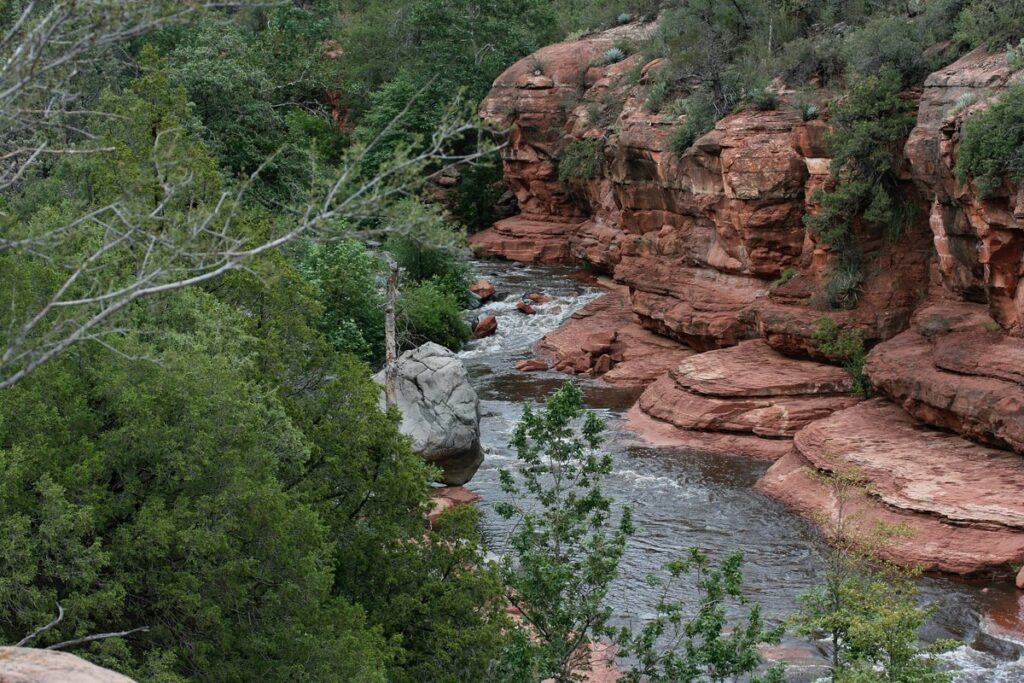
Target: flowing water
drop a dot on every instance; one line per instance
(683, 498)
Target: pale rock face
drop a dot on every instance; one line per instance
(29, 665)
(440, 410)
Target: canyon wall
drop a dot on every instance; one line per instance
(710, 247)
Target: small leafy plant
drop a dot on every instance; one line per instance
(580, 161)
(847, 347)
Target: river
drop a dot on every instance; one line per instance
(682, 498)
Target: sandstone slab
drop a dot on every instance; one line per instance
(748, 389)
(932, 544)
(606, 325)
(966, 378)
(913, 468)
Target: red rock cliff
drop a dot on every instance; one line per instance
(701, 238)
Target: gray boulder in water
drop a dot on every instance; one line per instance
(440, 410)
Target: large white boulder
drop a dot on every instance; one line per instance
(29, 665)
(440, 410)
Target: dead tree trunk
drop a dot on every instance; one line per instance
(390, 344)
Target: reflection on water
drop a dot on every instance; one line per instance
(682, 498)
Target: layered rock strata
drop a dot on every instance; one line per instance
(961, 505)
(636, 356)
(747, 398)
(711, 246)
(979, 241)
(956, 370)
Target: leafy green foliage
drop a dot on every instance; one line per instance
(581, 160)
(990, 23)
(867, 608)
(992, 144)
(566, 547)
(345, 279)
(704, 645)
(429, 311)
(473, 199)
(700, 118)
(845, 346)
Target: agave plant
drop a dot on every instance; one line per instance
(613, 55)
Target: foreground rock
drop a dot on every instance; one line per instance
(960, 501)
(638, 357)
(29, 665)
(440, 411)
(748, 392)
(954, 369)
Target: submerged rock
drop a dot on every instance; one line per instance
(485, 327)
(483, 289)
(440, 410)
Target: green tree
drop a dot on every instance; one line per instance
(704, 646)
(565, 552)
(866, 607)
(566, 549)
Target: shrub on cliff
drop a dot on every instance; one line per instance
(871, 123)
(701, 116)
(581, 160)
(992, 144)
(847, 347)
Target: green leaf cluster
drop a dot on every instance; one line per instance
(580, 160)
(992, 144)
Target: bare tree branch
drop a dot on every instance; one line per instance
(96, 636)
(42, 629)
(137, 250)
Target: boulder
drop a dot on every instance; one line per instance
(485, 327)
(440, 410)
(483, 289)
(525, 308)
(1020, 579)
(29, 665)
(532, 365)
(538, 298)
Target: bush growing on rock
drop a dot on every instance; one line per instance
(847, 347)
(581, 160)
(871, 124)
(992, 144)
(866, 607)
(701, 116)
